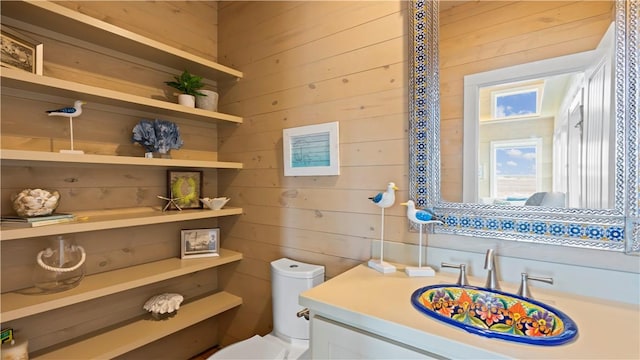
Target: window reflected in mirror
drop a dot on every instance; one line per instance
(543, 127)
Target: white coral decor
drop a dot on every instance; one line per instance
(164, 303)
(35, 202)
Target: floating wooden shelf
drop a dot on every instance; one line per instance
(30, 158)
(113, 219)
(15, 305)
(22, 80)
(129, 337)
(60, 19)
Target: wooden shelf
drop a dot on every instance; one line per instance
(30, 158)
(65, 21)
(113, 219)
(16, 305)
(131, 336)
(22, 80)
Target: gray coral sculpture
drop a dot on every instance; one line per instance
(157, 136)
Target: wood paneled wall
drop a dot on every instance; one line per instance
(107, 130)
(310, 63)
(478, 36)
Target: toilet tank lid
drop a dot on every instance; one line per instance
(296, 269)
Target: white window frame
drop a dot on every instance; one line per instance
(501, 144)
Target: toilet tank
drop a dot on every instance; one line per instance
(288, 279)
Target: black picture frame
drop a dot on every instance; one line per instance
(184, 187)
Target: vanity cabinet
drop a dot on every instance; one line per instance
(333, 340)
(133, 265)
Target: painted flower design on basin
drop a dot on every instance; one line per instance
(495, 314)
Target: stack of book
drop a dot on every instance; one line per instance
(55, 218)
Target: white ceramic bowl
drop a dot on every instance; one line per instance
(215, 203)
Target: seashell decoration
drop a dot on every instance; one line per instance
(215, 203)
(35, 202)
(163, 305)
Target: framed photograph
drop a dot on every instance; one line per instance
(199, 243)
(20, 51)
(311, 150)
(184, 189)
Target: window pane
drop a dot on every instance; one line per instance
(515, 171)
(516, 104)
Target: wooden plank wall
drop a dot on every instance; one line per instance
(107, 130)
(478, 36)
(310, 63)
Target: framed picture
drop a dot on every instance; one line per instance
(311, 150)
(184, 189)
(199, 243)
(20, 51)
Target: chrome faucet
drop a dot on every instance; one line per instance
(524, 290)
(490, 266)
(462, 275)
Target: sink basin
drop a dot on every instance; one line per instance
(495, 314)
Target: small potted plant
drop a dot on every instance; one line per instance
(188, 85)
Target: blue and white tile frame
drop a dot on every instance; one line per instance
(615, 229)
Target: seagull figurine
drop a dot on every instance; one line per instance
(387, 198)
(383, 200)
(69, 112)
(418, 216)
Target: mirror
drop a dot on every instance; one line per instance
(543, 128)
(530, 31)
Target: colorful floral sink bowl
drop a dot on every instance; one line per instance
(495, 314)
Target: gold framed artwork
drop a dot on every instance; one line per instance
(19, 51)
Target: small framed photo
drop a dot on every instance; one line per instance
(184, 189)
(311, 150)
(199, 243)
(20, 51)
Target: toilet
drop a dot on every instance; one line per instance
(290, 336)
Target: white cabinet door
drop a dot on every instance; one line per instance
(332, 340)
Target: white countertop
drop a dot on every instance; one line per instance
(381, 304)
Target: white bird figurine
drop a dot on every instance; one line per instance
(383, 200)
(70, 112)
(418, 216)
(387, 198)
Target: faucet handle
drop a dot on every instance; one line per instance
(524, 290)
(462, 276)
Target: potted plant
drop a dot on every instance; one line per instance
(188, 85)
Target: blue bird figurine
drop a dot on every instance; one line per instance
(387, 198)
(418, 216)
(69, 112)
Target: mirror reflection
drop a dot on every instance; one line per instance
(531, 82)
(542, 133)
